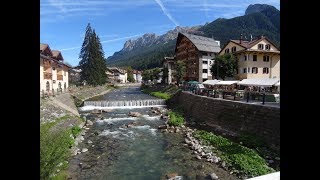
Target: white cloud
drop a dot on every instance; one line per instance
(102, 42)
(164, 10)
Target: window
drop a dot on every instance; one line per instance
(226, 51)
(244, 70)
(53, 68)
(254, 58)
(248, 70)
(233, 49)
(245, 57)
(205, 62)
(265, 70)
(205, 71)
(266, 58)
(205, 54)
(254, 70)
(267, 46)
(260, 46)
(210, 63)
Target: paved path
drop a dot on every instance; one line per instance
(65, 101)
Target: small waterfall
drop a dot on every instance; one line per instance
(148, 102)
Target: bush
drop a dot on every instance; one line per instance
(54, 149)
(176, 119)
(251, 140)
(245, 160)
(75, 130)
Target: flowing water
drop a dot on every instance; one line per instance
(140, 151)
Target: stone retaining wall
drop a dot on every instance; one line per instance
(231, 117)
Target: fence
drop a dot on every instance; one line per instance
(239, 95)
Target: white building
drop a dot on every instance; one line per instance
(53, 72)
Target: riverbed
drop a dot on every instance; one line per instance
(124, 147)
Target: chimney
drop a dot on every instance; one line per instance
(240, 38)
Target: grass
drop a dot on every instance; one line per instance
(55, 148)
(245, 160)
(163, 92)
(176, 119)
(161, 95)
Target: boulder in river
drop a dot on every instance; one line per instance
(162, 127)
(96, 111)
(213, 176)
(134, 114)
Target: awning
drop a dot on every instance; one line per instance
(226, 82)
(211, 82)
(262, 82)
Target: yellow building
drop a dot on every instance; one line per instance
(258, 58)
(53, 72)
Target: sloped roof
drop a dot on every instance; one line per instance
(43, 46)
(203, 43)
(211, 82)
(57, 55)
(226, 82)
(267, 82)
(249, 44)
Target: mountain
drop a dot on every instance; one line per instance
(148, 51)
(253, 8)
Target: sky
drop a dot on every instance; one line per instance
(63, 22)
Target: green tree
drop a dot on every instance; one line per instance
(156, 73)
(92, 61)
(180, 70)
(224, 66)
(146, 75)
(130, 74)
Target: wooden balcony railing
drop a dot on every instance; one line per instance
(59, 77)
(47, 75)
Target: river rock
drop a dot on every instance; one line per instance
(89, 142)
(89, 123)
(134, 114)
(171, 175)
(198, 157)
(271, 161)
(84, 150)
(162, 127)
(107, 110)
(177, 130)
(213, 176)
(96, 111)
(223, 164)
(81, 138)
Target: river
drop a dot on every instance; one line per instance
(140, 151)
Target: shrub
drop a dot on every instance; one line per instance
(161, 95)
(245, 160)
(176, 119)
(75, 130)
(54, 149)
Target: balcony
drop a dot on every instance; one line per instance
(59, 77)
(47, 75)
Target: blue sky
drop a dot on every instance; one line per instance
(63, 22)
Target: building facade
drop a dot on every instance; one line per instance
(116, 74)
(258, 58)
(198, 53)
(137, 76)
(53, 72)
(169, 64)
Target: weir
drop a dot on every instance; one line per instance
(145, 102)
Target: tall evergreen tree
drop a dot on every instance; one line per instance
(92, 61)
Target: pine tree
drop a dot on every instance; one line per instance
(92, 61)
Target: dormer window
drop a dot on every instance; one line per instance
(268, 47)
(226, 51)
(260, 46)
(233, 49)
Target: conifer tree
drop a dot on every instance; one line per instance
(92, 61)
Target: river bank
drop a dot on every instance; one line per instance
(126, 143)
